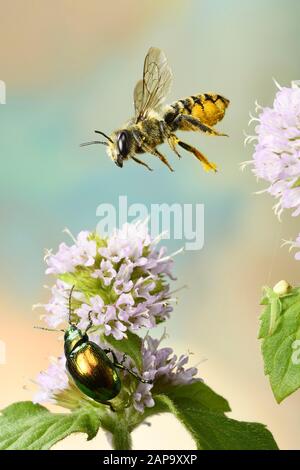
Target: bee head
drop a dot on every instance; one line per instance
(122, 148)
(118, 145)
(119, 149)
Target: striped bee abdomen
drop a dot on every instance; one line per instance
(209, 108)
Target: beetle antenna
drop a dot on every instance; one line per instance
(70, 303)
(47, 329)
(92, 142)
(104, 135)
(90, 322)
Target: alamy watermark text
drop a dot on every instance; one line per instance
(176, 221)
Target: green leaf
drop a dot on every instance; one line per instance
(279, 347)
(274, 302)
(26, 426)
(159, 407)
(132, 346)
(265, 322)
(199, 394)
(201, 411)
(212, 430)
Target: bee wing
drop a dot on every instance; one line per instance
(150, 92)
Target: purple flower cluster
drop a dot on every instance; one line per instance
(52, 382)
(122, 281)
(82, 253)
(163, 367)
(294, 245)
(276, 158)
(119, 284)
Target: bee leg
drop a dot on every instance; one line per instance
(205, 163)
(137, 160)
(185, 122)
(155, 152)
(171, 138)
(162, 158)
(173, 141)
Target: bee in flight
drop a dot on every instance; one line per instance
(155, 123)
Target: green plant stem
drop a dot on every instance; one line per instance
(121, 437)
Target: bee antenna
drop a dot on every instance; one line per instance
(93, 142)
(104, 135)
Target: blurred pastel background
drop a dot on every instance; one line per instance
(70, 67)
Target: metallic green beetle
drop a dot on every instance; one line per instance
(92, 371)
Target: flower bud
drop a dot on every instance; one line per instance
(282, 287)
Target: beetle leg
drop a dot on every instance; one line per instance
(110, 405)
(116, 362)
(107, 351)
(123, 359)
(120, 366)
